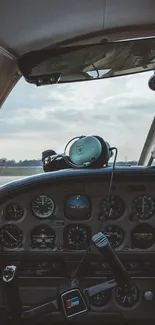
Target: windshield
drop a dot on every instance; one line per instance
(36, 119)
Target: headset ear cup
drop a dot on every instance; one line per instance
(103, 159)
(85, 151)
(151, 82)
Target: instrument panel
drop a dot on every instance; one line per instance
(45, 229)
(63, 218)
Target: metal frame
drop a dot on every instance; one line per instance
(146, 157)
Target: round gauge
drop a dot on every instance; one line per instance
(43, 237)
(77, 207)
(77, 236)
(100, 299)
(127, 296)
(112, 208)
(143, 207)
(115, 235)
(11, 236)
(143, 236)
(14, 212)
(43, 206)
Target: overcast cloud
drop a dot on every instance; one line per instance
(35, 119)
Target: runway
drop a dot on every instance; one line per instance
(6, 179)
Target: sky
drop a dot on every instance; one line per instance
(34, 119)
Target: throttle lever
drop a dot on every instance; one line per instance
(101, 242)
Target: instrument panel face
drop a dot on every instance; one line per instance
(43, 237)
(43, 206)
(45, 231)
(77, 236)
(63, 217)
(112, 208)
(77, 207)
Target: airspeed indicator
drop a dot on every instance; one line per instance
(43, 206)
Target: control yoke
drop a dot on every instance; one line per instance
(72, 302)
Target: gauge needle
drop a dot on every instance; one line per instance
(124, 299)
(15, 210)
(10, 235)
(110, 212)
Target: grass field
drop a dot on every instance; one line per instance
(20, 171)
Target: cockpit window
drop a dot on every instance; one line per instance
(35, 119)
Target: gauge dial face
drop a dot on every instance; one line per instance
(77, 207)
(77, 236)
(143, 207)
(43, 237)
(43, 206)
(14, 212)
(115, 235)
(127, 296)
(112, 208)
(143, 236)
(100, 299)
(11, 236)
